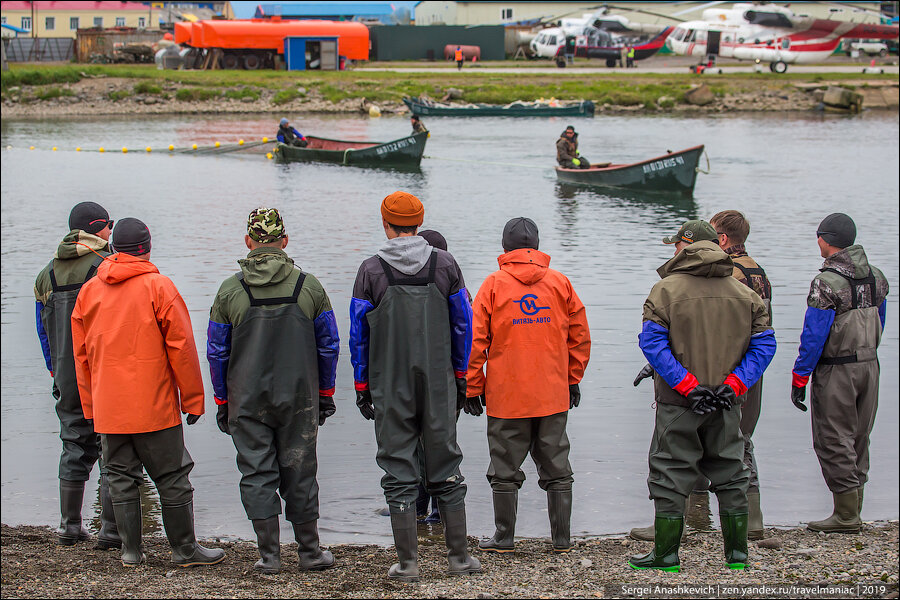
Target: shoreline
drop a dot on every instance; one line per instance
(34, 566)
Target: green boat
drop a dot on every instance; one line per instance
(405, 152)
(672, 173)
(585, 108)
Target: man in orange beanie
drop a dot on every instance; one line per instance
(410, 336)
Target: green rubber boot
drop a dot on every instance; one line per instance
(666, 539)
(755, 529)
(734, 533)
(844, 519)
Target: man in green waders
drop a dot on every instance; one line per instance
(708, 340)
(55, 291)
(842, 329)
(273, 350)
(410, 336)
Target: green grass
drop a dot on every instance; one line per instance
(145, 87)
(197, 94)
(242, 93)
(118, 94)
(285, 96)
(54, 92)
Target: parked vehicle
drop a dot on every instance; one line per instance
(868, 47)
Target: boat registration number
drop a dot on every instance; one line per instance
(662, 165)
(393, 146)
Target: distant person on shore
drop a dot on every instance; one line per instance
(417, 125)
(290, 136)
(138, 371)
(629, 57)
(273, 349)
(55, 290)
(530, 333)
(567, 154)
(842, 329)
(459, 58)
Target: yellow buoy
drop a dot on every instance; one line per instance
(269, 155)
(218, 144)
(171, 147)
(148, 148)
(78, 149)
(31, 147)
(240, 142)
(124, 150)
(194, 146)
(265, 139)
(101, 149)
(54, 148)
(374, 111)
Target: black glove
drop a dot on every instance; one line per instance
(460, 393)
(701, 399)
(643, 374)
(364, 402)
(191, 419)
(326, 408)
(725, 397)
(222, 419)
(798, 397)
(474, 406)
(574, 395)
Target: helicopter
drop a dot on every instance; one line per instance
(767, 33)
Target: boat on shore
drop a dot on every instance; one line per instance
(404, 152)
(673, 173)
(429, 108)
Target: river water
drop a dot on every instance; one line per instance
(784, 172)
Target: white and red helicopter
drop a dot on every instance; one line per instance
(768, 33)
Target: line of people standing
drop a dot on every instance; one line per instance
(108, 321)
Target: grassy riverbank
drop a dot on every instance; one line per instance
(35, 567)
(28, 89)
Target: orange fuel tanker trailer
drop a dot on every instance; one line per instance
(253, 43)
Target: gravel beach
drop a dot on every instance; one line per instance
(861, 565)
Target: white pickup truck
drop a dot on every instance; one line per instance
(869, 47)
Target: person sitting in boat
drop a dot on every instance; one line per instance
(417, 125)
(290, 136)
(567, 154)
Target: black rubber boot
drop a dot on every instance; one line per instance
(268, 540)
(108, 537)
(71, 497)
(406, 542)
(505, 507)
(178, 522)
(458, 558)
(734, 534)
(666, 540)
(312, 558)
(559, 505)
(128, 520)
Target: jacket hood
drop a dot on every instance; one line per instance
(851, 261)
(266, 266)
(120, 266)
(77, 243)
(563, 136)
(407, 254)
(700, 259)
(525, 264)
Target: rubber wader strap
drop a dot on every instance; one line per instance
(392, 280)
(838, 360)
(73, 286)
(748, 271)
(273, 301)
(857, 283)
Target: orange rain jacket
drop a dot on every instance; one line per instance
(134, 349)
(531, 329)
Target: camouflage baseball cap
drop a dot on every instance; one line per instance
(693, 231)
(265, 225)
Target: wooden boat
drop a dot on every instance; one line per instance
(585, 108)
(675, 172)
(405, 152)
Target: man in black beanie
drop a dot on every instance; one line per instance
(55, 290)
(838, 347)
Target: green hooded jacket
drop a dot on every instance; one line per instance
(73, 259)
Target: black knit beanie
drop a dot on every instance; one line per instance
(131, 236)
(838, 230)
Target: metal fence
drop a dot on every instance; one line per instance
(417, 42)
(27, 49)
(102, 41)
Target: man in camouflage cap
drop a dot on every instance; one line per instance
(273, 351)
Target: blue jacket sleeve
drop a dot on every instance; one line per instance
(298, 134)
(218, 353)
(816, 327)
(45, 341)
(882, 313)
(328, 346)
(758, 356)
(460, 331)
(359, 340)
(280, 137)
(654, 343)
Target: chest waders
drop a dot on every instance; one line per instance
(273, 407)
(413, 391)
(844, 395)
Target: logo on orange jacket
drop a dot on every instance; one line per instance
(528, 305)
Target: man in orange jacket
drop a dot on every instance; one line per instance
(531, 331)
(137, 370)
